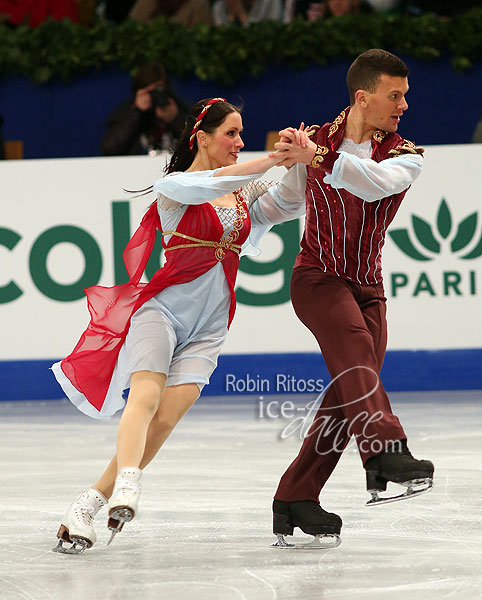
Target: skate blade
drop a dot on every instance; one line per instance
(78, 546)
(415, 487)
(117, 518)
(321, 541)
(113, 533)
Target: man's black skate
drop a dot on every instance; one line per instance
(397, 465)
(311, 519)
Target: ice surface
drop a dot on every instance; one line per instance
(204, 526)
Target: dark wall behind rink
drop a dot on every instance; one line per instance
(68, 120)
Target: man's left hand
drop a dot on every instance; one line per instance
(295, 146)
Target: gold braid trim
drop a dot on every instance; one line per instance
(379, 136)
(225, 243)
(406, 147)
(319, 154)
(337, 122)
(311, 130)
(199, 243)
(220, 246)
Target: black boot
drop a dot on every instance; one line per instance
(398, 465)
(305, 514)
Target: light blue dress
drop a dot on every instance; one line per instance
(181, 330)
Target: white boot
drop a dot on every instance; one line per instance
(125, 499)
(77, 524)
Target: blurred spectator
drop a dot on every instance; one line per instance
(242, 12)
(339, 8)
(336, 8)
(444, 8)
(115, 11)
(384, 6)
(289, 10)
(303, 8)
(365, 7)
(186, 12)
(35, 12)
(152, 120)
(86, 11)
(315, 11)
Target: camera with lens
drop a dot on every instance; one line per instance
(160, 96)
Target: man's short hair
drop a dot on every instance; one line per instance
(365, 71)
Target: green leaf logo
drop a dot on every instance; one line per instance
(445, 235)
(444, 220)
(465, 233)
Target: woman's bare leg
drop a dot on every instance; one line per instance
(175, 402)
(142, 404)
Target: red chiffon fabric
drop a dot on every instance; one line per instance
(91, 364)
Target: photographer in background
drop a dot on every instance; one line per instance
(151, 121)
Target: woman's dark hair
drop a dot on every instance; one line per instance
(182, 156)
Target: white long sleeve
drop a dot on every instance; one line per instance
(282, 202)
(372, 181)
(198, 187)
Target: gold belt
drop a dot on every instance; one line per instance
(220, 246)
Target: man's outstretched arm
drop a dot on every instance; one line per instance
(364, 177)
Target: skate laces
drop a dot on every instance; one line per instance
(86, 510)
(126, 488)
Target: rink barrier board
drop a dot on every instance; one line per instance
(432, 258)
(271, 374)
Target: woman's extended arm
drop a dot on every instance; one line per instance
(251, 167)
(196, 187)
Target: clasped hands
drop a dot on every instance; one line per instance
(294, 147)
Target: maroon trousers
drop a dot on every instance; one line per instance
(349, 323)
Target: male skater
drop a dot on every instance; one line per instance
(355, 173)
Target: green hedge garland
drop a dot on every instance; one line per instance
(224, 54)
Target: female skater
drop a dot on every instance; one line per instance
(162, 339)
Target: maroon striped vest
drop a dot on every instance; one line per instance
(344, 234)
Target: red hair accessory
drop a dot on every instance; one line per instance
(199, 119)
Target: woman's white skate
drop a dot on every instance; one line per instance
(125, 499)
(76, 527)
